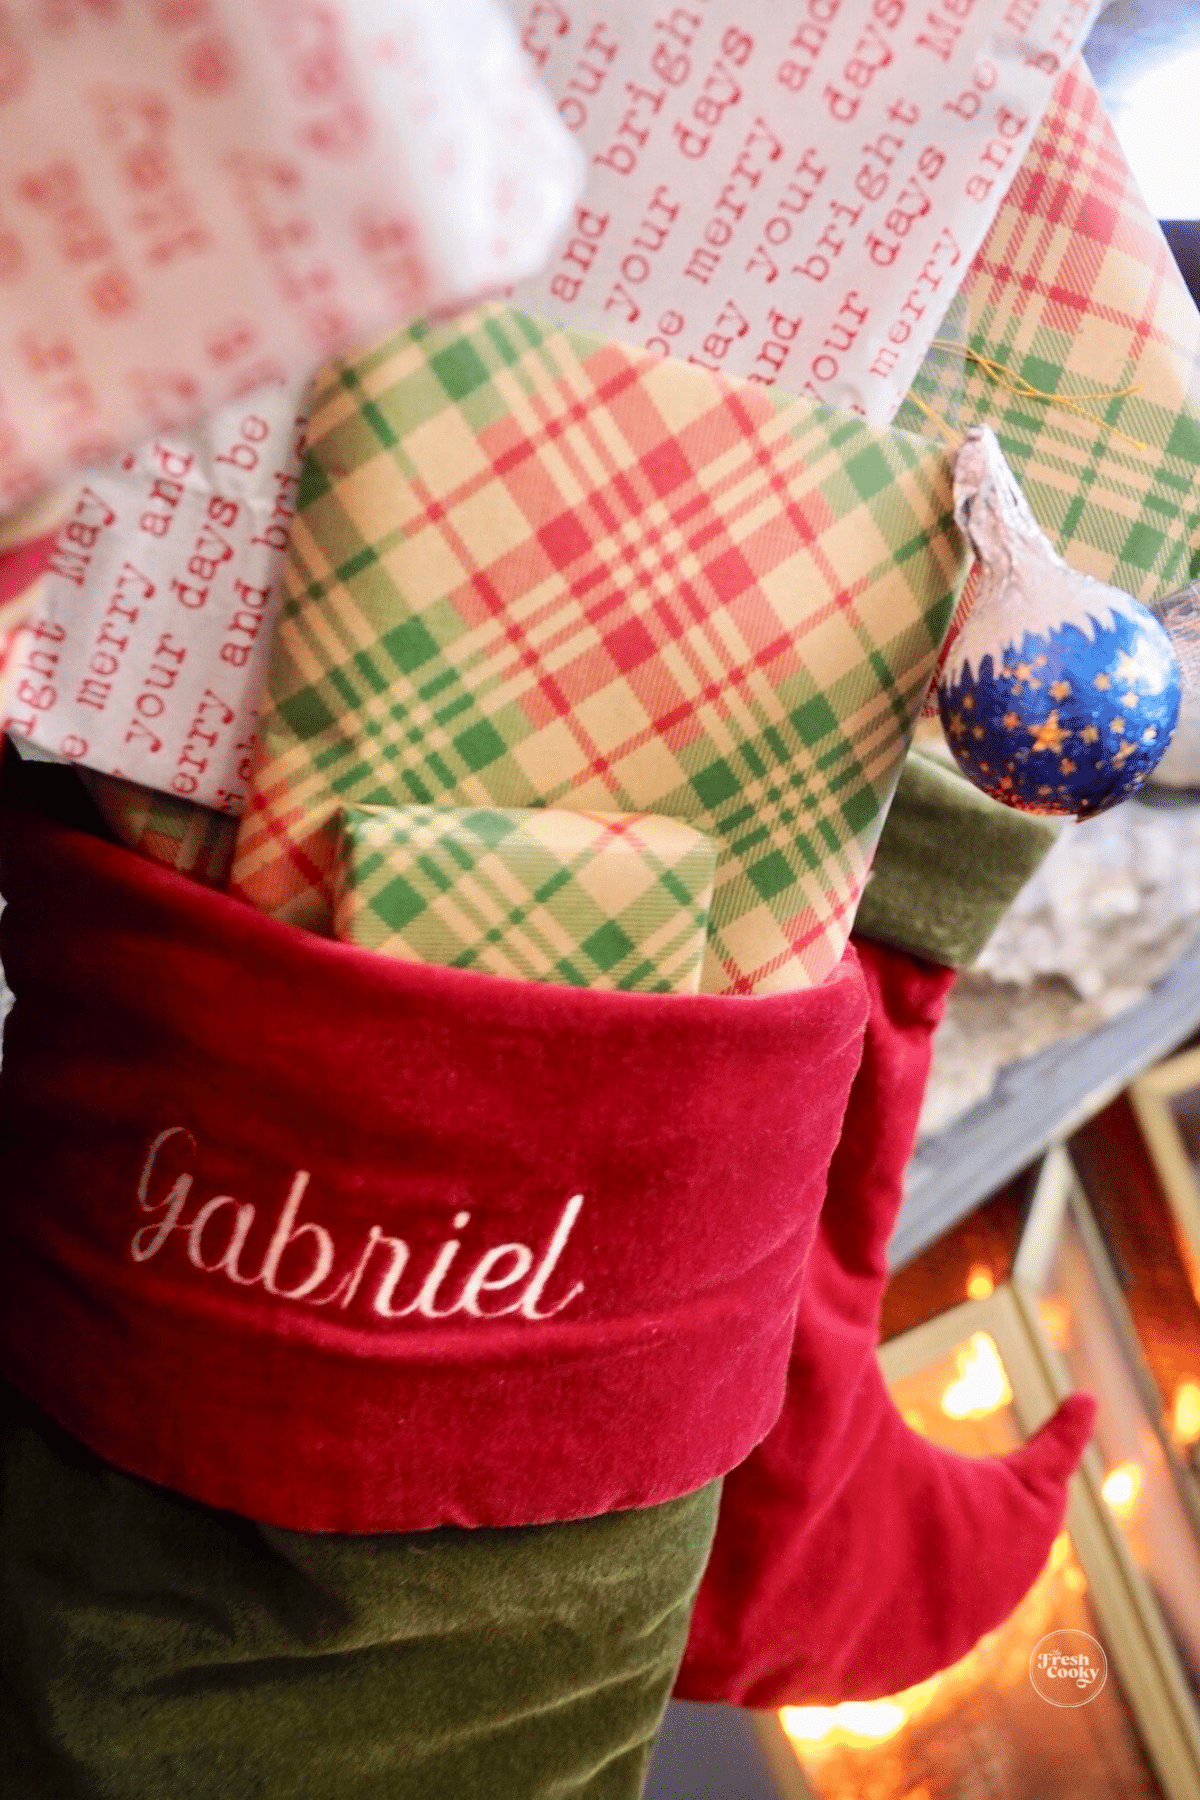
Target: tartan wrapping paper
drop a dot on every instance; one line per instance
(1075, 290)
(192, 840)
(590, 900)
(531, 567)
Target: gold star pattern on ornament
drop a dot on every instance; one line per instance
(957, 726)
(978, 732)
(1060, 689)
(968, 703)
(1067, 766)
(1102, 682)
(1131, 665)
(1150, 735)
(1023, 671)
(1012, 721)
(1049, 735)
(1118, 726)
(1123, 755)
(1129, 699)
(1090, 734)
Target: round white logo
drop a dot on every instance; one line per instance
(1068, 1668)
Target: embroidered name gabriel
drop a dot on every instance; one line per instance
(216, 1234)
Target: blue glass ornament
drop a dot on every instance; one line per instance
(1060, 694)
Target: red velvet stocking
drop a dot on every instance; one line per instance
(852, 1557)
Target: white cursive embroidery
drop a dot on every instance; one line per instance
(217, 1233)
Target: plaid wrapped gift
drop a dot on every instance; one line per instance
(1075, 293)
(592, 900)
(192, 840)
(531, 567)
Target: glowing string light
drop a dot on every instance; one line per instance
(1185, 1413)
(982, 1386)
(1120, 1487)
(980, 1282)
(862, 1721)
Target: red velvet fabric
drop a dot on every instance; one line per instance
(235, 1161)
(852, 1557)
(23, 563)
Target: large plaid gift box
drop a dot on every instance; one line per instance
(533, 568)
(1075, 296)
(592, 900)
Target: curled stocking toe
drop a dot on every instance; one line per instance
(854, 1558)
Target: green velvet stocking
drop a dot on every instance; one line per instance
(157, 1650)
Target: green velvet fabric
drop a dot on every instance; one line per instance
(154, 1649)
(950, 863)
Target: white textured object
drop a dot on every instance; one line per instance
(202, 199)
(1180, 613)
(1180, 767)
(1114, 904)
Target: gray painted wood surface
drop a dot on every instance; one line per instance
(1037, 1101)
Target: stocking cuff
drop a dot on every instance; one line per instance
(950, 863)
(352, 1244)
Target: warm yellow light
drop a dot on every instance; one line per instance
(1056, 1317)
(999, 1662)
(807, 1724)
(1121, 1485)
(980, 1282)
(916, 1421)
(875, 1719)
(862, 1721)
(982, 1385)
(1185, 1413)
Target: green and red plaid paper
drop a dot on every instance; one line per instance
(192, 840)
(533, 568)
(589, 900)
(1075, 291)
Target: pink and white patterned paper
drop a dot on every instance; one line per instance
(200, 196)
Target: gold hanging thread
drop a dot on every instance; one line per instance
(1025, 390)
(953, 438)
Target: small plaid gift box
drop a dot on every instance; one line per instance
(530, 567)
(591, 900)
(192, 840)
